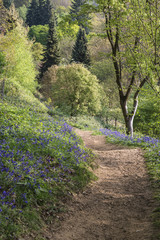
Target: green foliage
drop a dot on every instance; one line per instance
(77, 14)
(74, 89)
(147, 119)
(22, 11)
(37, 52)
(80, 52)
(104, 70)
(75, 8)
(7, 3)
(66, 29)
(19, 67)
(39, 12)
(52, 54)
(6, 20)
(86, 122)
(39, 33)
(45, 11)
(127, 26)
(20, 3)
(32, 14)
(15, 93)
(2, 62)
(38, 141)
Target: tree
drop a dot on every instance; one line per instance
(44, 12)
(80, 52)
(147, 118)
(20, 3)
(73, 89)
(132, 48)
(52, 54)
(19, 68)
(7, 20)
(22, 11)
(47, 11)
(32, 14)
(3, 19)
(104, 71)
(39, 33)
(77, 15)
(39, 12)
(7, 3)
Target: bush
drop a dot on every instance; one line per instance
(20, 67)
(74, 89)
(39, 33)
(147, 119)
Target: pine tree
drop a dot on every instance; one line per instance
(80, 52)
(48, 11)
(82, 19)
(32, 14)
(52, 55)
(7, 3)
(75, 8)
(41, 13)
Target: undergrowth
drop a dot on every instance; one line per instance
(42, 161)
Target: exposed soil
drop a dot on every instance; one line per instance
(116, 207)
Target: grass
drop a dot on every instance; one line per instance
(42, 162)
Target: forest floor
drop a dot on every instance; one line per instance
(119, 205)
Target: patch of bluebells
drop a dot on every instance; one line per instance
(151, 145)
(33, 159)
(144, 141)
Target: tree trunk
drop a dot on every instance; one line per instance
(129, 118)
(129, 126)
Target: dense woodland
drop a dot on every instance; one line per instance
(77, 59)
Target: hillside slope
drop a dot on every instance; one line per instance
(119, 205)
(42, 162)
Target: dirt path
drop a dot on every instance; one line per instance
(116, 207)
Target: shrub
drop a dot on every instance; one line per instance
(39, 33)
(74, 89)
(147, 118)
(20, 66)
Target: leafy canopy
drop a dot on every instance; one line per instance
(19, 67)
(74, 89)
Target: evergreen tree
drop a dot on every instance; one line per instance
(76, 16)
(47, 11)
(75, 8)
(80, 52)
(32, 14)
(41, 13)
(52, 55)
(7, 3)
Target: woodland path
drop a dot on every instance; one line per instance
(116, 207)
